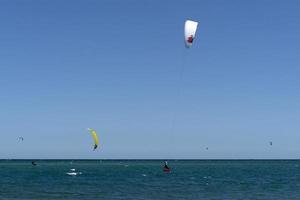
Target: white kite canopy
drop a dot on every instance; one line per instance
(190, 28)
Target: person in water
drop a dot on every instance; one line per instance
(166, 167)
(33, 163)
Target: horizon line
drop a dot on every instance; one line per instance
(154, 159)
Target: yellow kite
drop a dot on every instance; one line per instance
(95, 137)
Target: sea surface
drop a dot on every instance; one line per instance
(143, 180)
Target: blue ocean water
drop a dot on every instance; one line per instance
(121, 179)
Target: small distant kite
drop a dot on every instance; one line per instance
(271, 143)
(21, 139)
(190, 28)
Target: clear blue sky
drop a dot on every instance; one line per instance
(115, 66)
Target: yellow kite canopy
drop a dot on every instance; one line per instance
(95, 137)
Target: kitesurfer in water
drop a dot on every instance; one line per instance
(33, 163)
(166, 167)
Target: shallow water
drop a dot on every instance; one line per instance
(203, 179)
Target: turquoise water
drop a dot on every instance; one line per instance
(145, 180)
